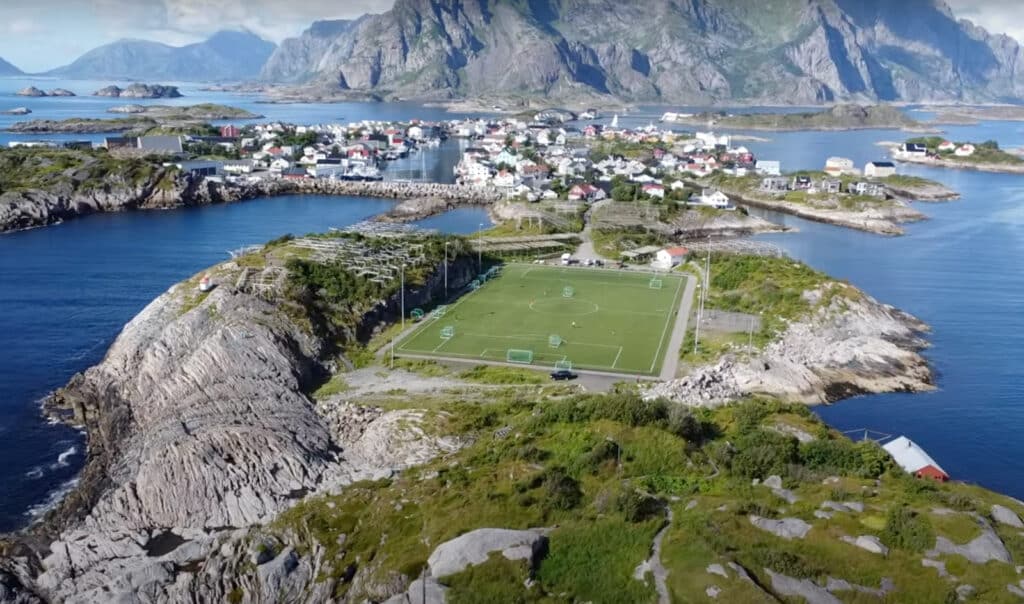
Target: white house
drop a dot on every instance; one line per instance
(279, 165)
(837, 166)
(505, 179)
(669, 258)
(768, 167)
(879, 169)
(712, 199)
(947, 147)
(654, 190)
(914, 460)
(965, 150)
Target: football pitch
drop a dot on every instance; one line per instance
(598, 319)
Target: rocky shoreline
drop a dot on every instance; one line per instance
(199, 430)
(30, 209)
(850, 346)
(962, 165)
(880, 221)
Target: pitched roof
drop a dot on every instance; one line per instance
(909, 456)
(677, 251)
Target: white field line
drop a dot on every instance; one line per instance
(664, 332)
(616, 361)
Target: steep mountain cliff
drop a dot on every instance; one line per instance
(661, 50)
(6, 69)
(227, 55)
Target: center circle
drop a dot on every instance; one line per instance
(569, 307)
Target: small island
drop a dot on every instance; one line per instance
(17, 111)
(142, 119)
(840, 117)
(34, 92)
(140, 91)
(943, 153)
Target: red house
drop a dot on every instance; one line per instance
(914, 460)
(230, 131)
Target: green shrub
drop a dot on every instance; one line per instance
(761, 453)
(786, 563)
(561, 491)
(637, 507)
(906, 529)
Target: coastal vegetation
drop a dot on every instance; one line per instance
(26, 169)
(987, 152)
(606, 471)
(840, 117)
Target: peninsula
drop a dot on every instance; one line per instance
(942, 153)
(283, 350)
(839, 117)
(138, 119)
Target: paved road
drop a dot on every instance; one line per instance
(586, 250)
(671, 365)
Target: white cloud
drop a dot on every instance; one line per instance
(997, 16)
(22, 26)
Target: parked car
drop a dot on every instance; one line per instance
(563, 375)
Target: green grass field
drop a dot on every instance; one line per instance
(613, 321)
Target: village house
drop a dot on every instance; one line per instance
(669, 258)
(870, 189)
(712, 198)
(838, 166)
(586, 192)
(654, 190)
(965, 150)
(829, 185)
(768, 168)
(879, 169)
(946, 147)
(914, 460)
(775, 184)
(913, 150)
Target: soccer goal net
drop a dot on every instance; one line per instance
(568, 292)
(563, 365)
(440, 311)
(655, 284)
(555, 341)
(416, 314)
(524, 357)
(447, 332)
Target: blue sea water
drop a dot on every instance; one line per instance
(66, 291)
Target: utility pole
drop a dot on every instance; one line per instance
(403, 297)
(696, 327)
(446, 270)
(480, 249)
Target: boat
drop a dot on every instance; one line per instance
(615, 121)
(206, 284)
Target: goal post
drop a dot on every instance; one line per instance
(447, 332)
(568, 292)
(555, 341)
(417, 314)
(522, 357)
(439, 312)
(655, 283)
(563, 365)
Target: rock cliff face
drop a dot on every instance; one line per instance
(797, 51)
(852, 345)
(200, 431)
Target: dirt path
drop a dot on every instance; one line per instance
(670, 367)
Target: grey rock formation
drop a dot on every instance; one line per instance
(980, 550)
(849, 507)
(847, 347)
(61, 92)
(814, 51)
(475, 547)
(938, 565)
(869, 543)
(31, 91)
(140, 91)
(225, 56)
(717, 569)
(17, 111)
(1005, 515)
(787, 528)
(801, 588)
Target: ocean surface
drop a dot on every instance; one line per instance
(66, 291)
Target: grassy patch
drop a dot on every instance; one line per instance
(491, 374)
(336, 385)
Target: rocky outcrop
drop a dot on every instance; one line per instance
(786, 528)
(17, 111)
(475, 547)
(164, 190)
(851, 345)
(1005, 515)
(140, 91)
(691, 52)
(199, 430)
(31, 91)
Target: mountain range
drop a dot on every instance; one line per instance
(673, 51)
(695, 51)
(225, 56)
(6, 69)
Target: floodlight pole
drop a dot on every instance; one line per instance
(402, 272)
(446, 243)
(480, 249)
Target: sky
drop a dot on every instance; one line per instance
(37, 35)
